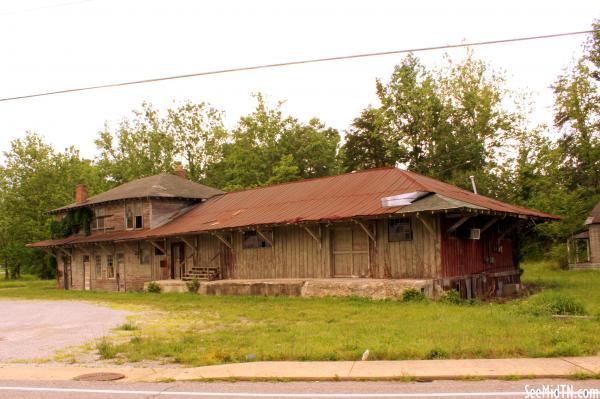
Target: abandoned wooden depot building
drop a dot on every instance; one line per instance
(375, 225)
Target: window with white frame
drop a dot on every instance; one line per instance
(99, 216)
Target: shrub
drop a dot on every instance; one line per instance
(437, 353)
(106, 350)
(153, 287)
(413, 295)
(452, 297)
(193, 285)
(129, 326)
(553, 303)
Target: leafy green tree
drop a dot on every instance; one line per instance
(199, 135)
(267, 148)
(139, 148)
(365, 147)
(448, 123)
(34, 180)
(576, 115)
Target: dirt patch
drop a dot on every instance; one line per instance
(36, 329)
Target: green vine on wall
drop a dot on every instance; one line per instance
(72, 223)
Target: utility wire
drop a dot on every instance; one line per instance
(300, 62)
(44, 7)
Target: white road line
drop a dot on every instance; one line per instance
(266, 395)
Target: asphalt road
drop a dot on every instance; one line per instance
(283, 390)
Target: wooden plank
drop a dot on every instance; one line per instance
(49, 252)
(84, 250)
(63, 251)
(365, 229)
(264, 237)
(489, 224)
(223, 240)
(189, 244)
(459, 223)
(426, 224)
(315, 236)
(156, 245)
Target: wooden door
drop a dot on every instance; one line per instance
(164, 270)
(350, 252)
(177, 260)
(121, 278)
(87, 273)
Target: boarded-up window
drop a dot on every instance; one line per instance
(254, 240)
(133, 215)
(110, 267)
(144, 256)
(98, 267)
(399, 230)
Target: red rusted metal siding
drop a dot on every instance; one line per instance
(462, 257)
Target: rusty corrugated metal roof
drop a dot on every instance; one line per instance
(329, 198)
(93, 238)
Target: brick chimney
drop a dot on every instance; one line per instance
(179, 171)
(80, 193)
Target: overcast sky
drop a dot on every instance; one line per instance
(58, 44)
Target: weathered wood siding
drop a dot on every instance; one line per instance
(161, 210)
(295, 254)
(417, 258)
(594, 243)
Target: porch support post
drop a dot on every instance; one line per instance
(366, 230)
(459, 223)
(264, 237)
(315, 236)
(223, 240)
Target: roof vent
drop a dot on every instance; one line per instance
(402, 199)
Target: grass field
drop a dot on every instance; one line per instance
(196, 330)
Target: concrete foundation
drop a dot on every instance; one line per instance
(169, 286)
(369, 288)
(584, 266)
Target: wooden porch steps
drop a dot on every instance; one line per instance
(202, 273)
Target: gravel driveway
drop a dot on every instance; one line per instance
(35, 329)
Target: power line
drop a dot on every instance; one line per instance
(300, 62)
(44, 7)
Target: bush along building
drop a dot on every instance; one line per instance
(384, 229)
